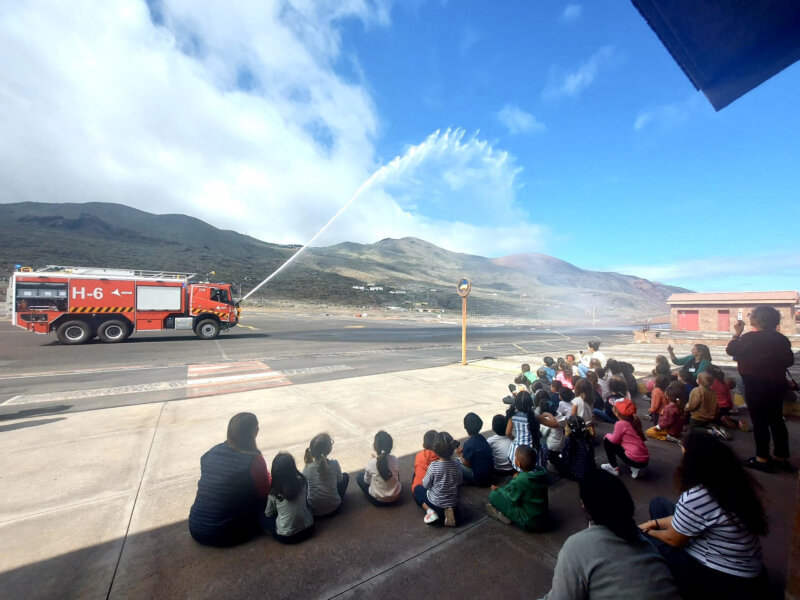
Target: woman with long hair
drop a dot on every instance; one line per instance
(610, 558)
(710, 538)
(694, 364)
(233, 487)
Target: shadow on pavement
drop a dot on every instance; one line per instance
(25, 424)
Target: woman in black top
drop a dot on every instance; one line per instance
(233, 488)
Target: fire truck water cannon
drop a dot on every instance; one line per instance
(80, 303)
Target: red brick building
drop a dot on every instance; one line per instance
(717, 312)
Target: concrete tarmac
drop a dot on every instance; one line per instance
(94, 503)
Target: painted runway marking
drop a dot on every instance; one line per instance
(315, 370)
(231, 377)
(354, 326)
(520, 348)
(249, 327)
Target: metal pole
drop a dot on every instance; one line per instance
(464, 330)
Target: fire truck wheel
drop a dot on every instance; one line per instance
(113, 331)
(207, 329)
(74, 332)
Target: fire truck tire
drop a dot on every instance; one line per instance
(112, 332)
(74, 332)
(207, 329)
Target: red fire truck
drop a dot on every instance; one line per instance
(79, 303)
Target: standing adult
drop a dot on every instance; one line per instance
(763, 355)
(694, 364)
(233, 488)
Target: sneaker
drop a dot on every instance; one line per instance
(610, 469)
(673, 439)
(636, 473)
(430, 516)
(720, 433)
(449, 517)
(496, 514)
(754, 463)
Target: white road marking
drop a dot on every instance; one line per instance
(96, 393)
(520, 348)
(221, 351)
(313, 370)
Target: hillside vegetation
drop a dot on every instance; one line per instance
(418, 273)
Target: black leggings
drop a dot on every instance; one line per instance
(615, 450)
(765, 403)
(696, 581)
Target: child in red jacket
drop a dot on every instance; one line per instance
(424, 458)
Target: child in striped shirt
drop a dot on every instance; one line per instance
(439, 491)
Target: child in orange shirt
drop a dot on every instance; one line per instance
(424, 458)
(658, 397)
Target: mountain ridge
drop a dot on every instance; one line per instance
(416, 272)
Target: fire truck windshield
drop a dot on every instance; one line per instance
(220, 296)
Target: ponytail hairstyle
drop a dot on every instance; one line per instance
(541, 400)
(637, 424)
(444, 445)
(287, 481)
(318, 450)
(383, 446)
(676, 392)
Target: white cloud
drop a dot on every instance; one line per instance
(235, 114)
(572, 12)
(665, 117)
(517, 120)
(562, 83)
(769, 271)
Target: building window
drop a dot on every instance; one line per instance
(688, 320)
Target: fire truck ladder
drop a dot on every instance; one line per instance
(102, 271)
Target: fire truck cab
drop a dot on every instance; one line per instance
(79, 303)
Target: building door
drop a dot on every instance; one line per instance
(688, 320)
(723, 320)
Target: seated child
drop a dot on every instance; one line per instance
(423, 458)
(618, 391)
(549, 367)
(702, 406)
(523, 501)
(688, 380)
(671, 420)
(582, 405)
(527, 373)
(603, 377)
(555, 388)
(523, 427)
(722, 387)
(543, 402)
(326, 482)
(380, 480)
(287, 516)
(626, 441)
(477, 463)
(439, 491)
(577, 454)
(541, 375)
(564, 375)
(658, 398)
(500, 443)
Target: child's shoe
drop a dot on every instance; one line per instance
(672, 438)
(744, 425)
(449, 517)
(636, 472)
(720, 433)
(496, 514)
(430, 516)
(610, 469)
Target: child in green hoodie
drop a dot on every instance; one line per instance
(523, 501)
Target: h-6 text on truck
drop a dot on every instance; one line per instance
(79, 303)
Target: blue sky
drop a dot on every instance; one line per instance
(556, 127)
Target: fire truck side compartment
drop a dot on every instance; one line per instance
(157, 298)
